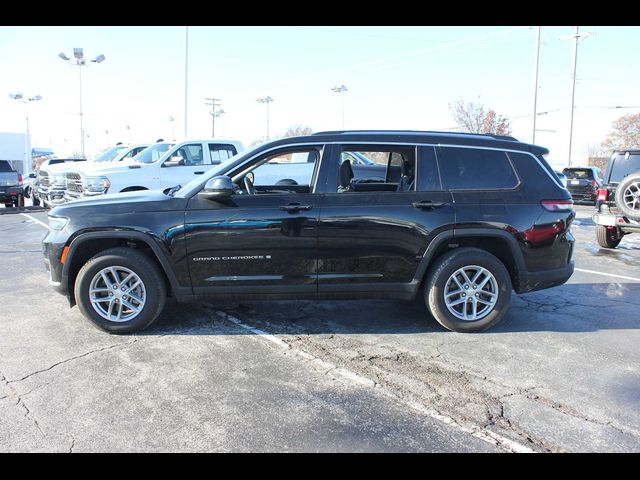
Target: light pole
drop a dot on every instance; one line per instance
(266, 100)
(535, 85)
(186, 81)
(576, 38)
(214, 102)
(81, 62)
(173, 128)
(26, 100)
(128, 127)
(341, 89)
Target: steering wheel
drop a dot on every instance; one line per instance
(248, 184)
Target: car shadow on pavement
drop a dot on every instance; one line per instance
(568, 308)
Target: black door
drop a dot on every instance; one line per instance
(263, 238)
(372, 234)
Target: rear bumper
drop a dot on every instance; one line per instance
(618, 221)
(10, 194)
(532, 281)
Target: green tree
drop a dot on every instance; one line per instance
(474, 118)
(625, 133)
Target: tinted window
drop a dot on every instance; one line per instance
(475, 169)
(191, 154)
(624, 165)
(221, 152)
(5, 166)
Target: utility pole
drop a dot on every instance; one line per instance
(214, 102)
(186, 79)
(576, 38)
(535, 86)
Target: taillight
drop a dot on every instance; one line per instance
(603, 194)
(19, 179)
(557, 205)
(543, 233)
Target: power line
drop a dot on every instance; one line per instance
(371, 35)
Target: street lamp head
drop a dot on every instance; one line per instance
(15, 96)
(36, 98)
(77, 53)
(63, 57)
(339, 89)
(266, 99)
(99, 59)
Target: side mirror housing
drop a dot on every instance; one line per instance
(218, 188)
(32, 175)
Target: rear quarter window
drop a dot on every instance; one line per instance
(476, 169)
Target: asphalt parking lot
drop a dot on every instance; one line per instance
(560, 373)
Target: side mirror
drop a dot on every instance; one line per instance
(174, 161)
(32, 175)
(218, 188)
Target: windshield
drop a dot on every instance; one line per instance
(110, 154)
(623, 166)
(152, 153)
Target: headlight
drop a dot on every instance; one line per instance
(57, 223)
(97, 184)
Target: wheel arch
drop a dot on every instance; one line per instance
(497, 242)
(86, 245)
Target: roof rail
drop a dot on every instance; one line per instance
(422, 132)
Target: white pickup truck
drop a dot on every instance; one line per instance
(159, 167)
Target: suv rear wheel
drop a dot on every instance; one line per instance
(468, 290)
(120, 290)
(607, 237)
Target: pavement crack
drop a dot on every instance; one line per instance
(76, 357)
(20, 402)
(73, 444)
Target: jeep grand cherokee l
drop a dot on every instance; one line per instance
(459, 220)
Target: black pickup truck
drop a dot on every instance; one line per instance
(618, 201)
(10, 185)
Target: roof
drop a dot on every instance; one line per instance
(413, 136)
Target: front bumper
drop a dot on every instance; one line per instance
(52, 247)
(52, 196)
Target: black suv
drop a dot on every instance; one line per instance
(618, 204)
(583, 182)
(460, 220)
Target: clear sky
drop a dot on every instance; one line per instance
(397, 78)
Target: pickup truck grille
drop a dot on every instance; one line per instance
(74, 183)
(44, 180)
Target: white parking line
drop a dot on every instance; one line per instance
(607, 274)
(486, 435)
(36, 220)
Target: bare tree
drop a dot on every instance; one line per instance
(297, 131)
(595, 150)
(625, 133)
(257, 141)
(473, 118)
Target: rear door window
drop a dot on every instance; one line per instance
(624, 164)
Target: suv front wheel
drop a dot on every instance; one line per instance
(120, 290)
(468, 290)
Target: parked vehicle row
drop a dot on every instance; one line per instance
(583, 183)
(458, 220)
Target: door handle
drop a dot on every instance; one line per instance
(198, 173)
(295, 207)
(428, 204)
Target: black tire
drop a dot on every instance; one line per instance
(36, 201)
(607, 237)
(444, 268)
(146, 269)
(626, 190)
(27, 192)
